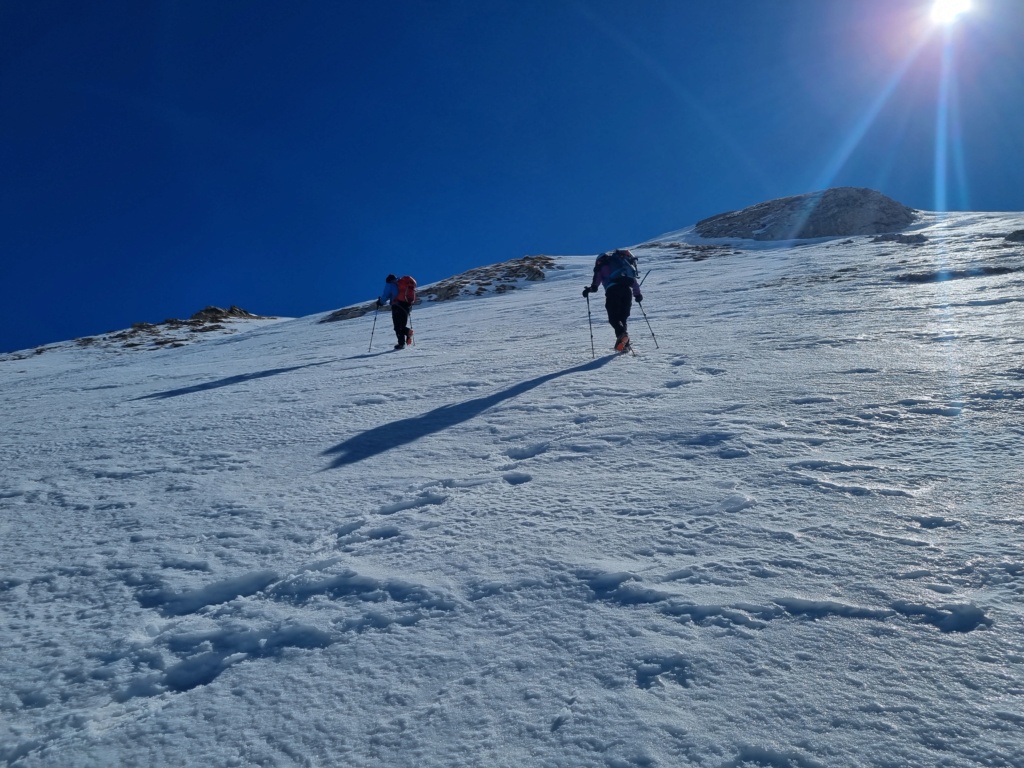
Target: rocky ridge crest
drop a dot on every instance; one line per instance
(495, 278)
(149, 336)
(838, 212)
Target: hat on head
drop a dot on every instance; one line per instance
(390, 279)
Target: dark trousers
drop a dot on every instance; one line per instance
(400, 319)
(618, 300)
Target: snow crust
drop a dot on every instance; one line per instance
(788, 535)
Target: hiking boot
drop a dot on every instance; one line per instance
(399, 345)
(622, 343)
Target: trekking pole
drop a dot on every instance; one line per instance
(590, 322)
(645, 276)
(374, 328)
(641, 305)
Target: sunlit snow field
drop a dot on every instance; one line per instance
(787, 535)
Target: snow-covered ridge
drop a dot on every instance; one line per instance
(169, 334)
(213, 322)
(786, 535)
(481, 281)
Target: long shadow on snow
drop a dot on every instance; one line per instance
(404, 431)
(367, 355)
(227, 382)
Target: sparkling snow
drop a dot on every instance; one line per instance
(791, 535)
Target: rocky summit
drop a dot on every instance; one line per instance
(839, 212)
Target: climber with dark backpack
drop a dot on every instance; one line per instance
(617, 272)
(400, 293)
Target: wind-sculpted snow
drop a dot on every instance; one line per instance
(624, 589)
(178, 604)
(788, 535)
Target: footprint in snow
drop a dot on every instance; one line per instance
(736, 502)
(655, 670)
(526, 452)
(564, 716)
(425, 499)
(733, 453)
(935, 521)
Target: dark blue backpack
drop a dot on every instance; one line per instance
(623, 267)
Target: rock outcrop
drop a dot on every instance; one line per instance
(171, 332)
(496, 278)
(917, 239)
(839, 212)
(218, 315)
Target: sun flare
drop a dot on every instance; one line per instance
(948, 11)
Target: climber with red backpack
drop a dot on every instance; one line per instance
(617, 272)
(400, 293)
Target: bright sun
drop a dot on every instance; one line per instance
(947, 11)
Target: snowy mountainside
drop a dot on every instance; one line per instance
(786, 535)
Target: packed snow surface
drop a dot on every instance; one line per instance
(787, 534)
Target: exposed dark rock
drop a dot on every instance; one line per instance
(501, 276)
(216, 314)
(698, 252)
(348, 313)
(170, 333)
(942, 275)
(496, 278)
(891, 237)
(1016, 237)
(840, 212)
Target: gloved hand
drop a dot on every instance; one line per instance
(639, 299)
(586, 291)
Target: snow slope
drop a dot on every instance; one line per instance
(789, 535)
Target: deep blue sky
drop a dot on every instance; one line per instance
(160, 156)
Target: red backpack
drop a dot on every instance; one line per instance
(407, 289)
